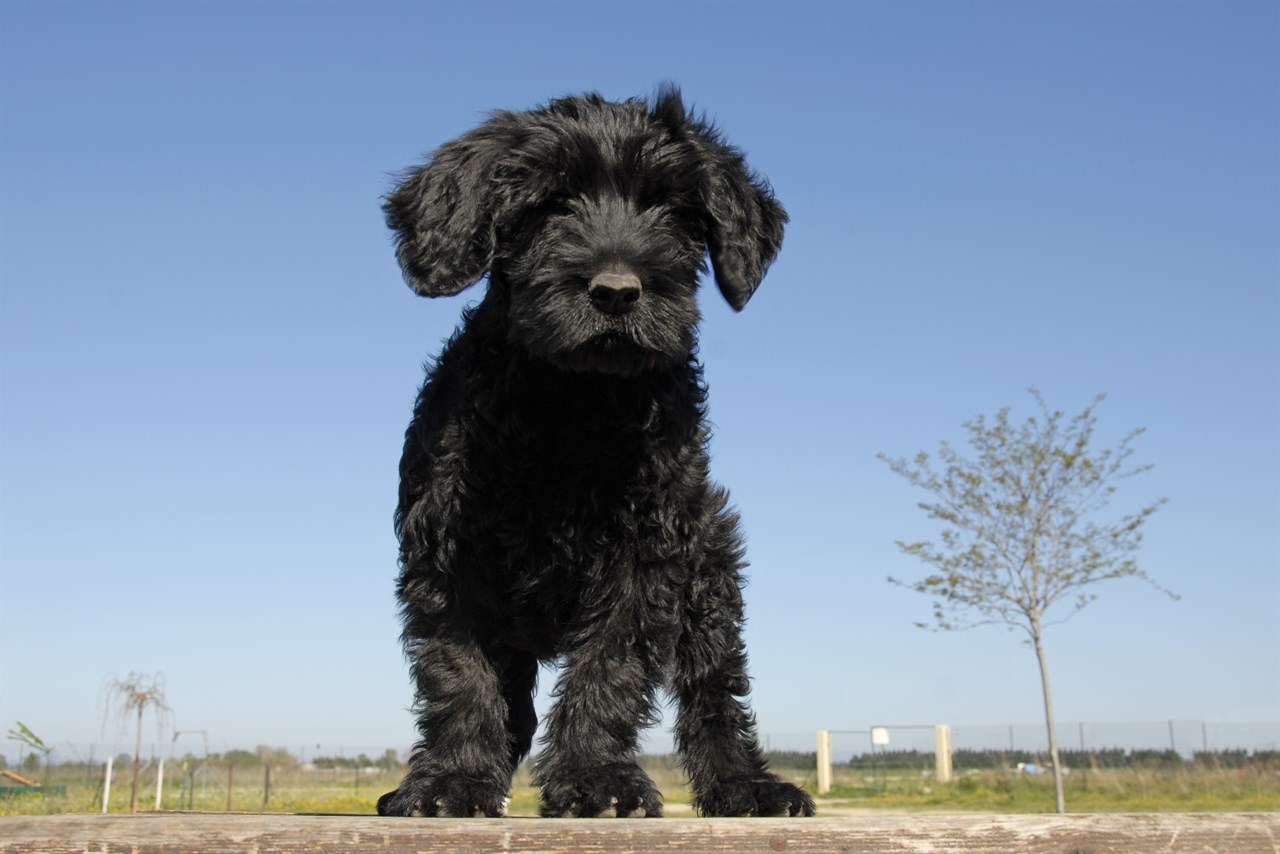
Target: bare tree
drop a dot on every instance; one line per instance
(132, 696)
(1023, 532)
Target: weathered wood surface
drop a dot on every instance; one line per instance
(188, 833)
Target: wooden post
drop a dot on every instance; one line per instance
(868, 832)
(824, 762)
(942, 753)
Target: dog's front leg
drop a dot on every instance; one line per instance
(715, 729)
(463, 764)
(605, 694)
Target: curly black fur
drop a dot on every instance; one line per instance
(555, 502)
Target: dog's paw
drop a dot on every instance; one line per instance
(456, 797)
(620, 789)
(760, 796)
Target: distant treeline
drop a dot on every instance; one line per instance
(1101, 758)
(997, 759)
(281, 759)
(274, 757)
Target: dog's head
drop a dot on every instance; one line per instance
(592, 219)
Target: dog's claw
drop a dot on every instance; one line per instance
(622, 790)
(760, 796)
(456, 798)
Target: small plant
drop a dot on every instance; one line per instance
(25, 736)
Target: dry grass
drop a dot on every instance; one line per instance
(1187, 789)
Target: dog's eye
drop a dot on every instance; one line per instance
(676, 205)
(684, 218)
(556, 207)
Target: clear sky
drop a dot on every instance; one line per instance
(209, 357)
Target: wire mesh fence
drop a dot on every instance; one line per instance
(97, 777)
(185, 774)
(1082, 743)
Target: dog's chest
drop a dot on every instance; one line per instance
(537, 497)
(577, 503)
(569, 482)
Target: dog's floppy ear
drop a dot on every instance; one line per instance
(745, 221)
(745, 225)
(443, 213)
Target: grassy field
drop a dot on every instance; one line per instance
(1188, 789)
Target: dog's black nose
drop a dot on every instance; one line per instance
(614, 293)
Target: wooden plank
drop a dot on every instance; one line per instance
(186, 833)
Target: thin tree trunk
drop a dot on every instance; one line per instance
(137, 769)
(1048, 719)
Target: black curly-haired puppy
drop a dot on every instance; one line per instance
(554, 496)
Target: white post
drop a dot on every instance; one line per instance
(159, 782)
(824, 762)
(942, 753)
(106, 785)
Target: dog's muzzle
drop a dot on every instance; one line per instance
(615, 293)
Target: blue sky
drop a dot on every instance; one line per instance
(209, 358)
